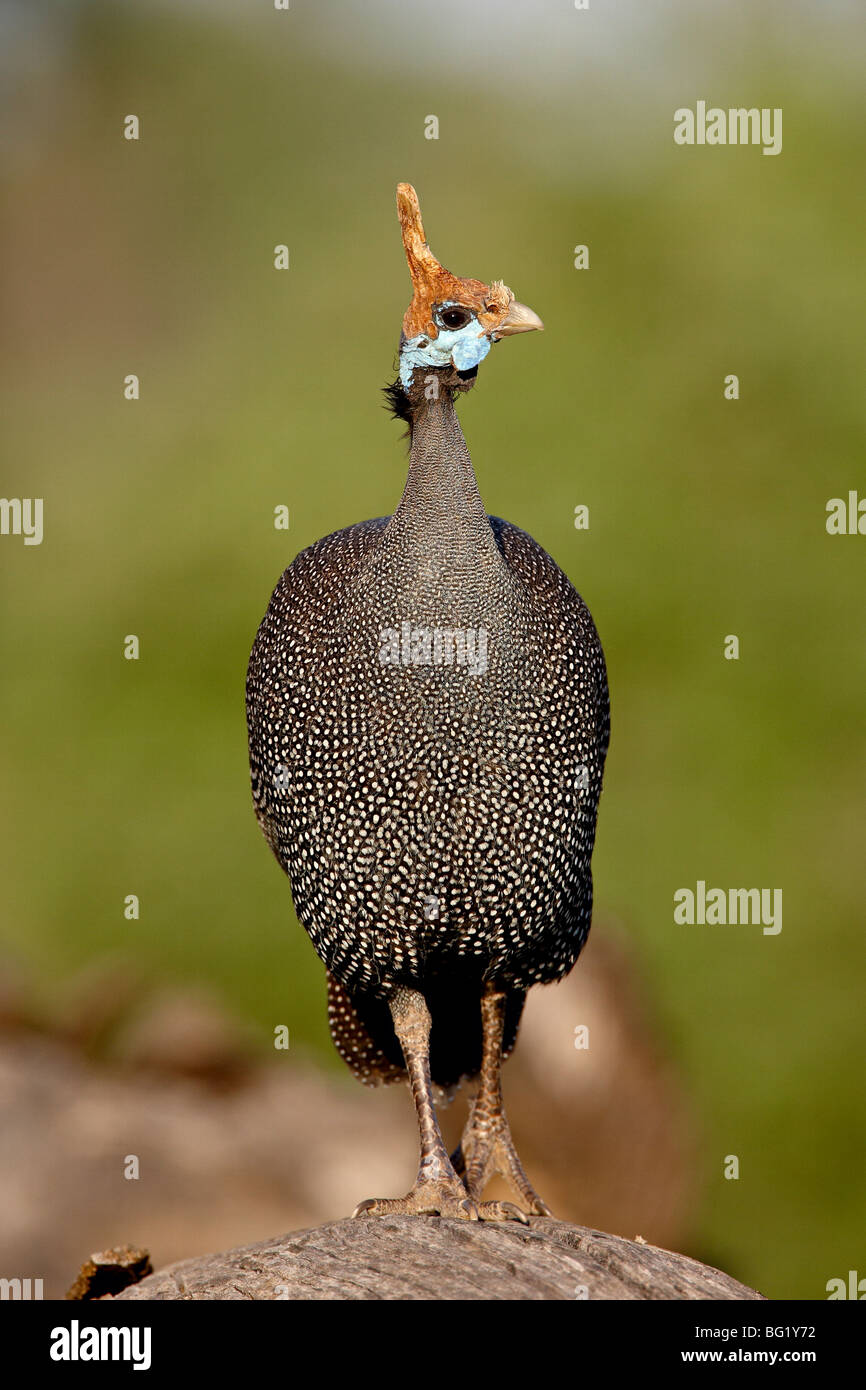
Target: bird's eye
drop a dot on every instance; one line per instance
(454, 317)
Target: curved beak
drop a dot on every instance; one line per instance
(519, 319)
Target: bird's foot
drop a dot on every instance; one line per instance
(430, 1197)
(486, 1149)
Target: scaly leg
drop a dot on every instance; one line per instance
(438, 1190)
(487, 1146)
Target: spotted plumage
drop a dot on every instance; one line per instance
(428, 720)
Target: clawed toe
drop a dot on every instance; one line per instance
(501, 1211)
(427, 1199)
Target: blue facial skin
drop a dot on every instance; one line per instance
(464, 347)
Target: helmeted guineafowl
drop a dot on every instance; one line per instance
(428, 723)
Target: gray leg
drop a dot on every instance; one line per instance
(487, 1146)
(438, 1190)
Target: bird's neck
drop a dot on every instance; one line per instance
(441, 511)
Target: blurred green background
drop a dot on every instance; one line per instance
(260, 388)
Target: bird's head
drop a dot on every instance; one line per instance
(451, 323)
